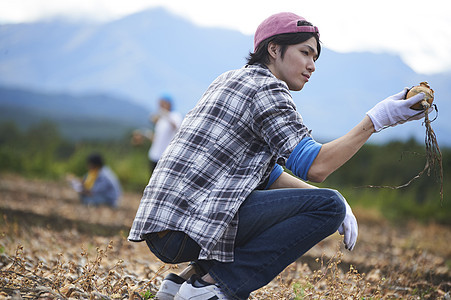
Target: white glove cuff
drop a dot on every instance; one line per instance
(377, 125)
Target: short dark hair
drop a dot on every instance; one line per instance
(95, 159)
(261, 55)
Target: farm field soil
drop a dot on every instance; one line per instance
(52, 247)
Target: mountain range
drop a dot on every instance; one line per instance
(131, 61)
(77, 117)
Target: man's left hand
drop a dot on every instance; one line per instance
(349, 228)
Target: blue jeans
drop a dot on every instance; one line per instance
(275, 228)
(97, 200)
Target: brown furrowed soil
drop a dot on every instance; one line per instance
(52, 247)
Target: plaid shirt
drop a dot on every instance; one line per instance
(226, 147)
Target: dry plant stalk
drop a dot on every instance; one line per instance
(56, 282)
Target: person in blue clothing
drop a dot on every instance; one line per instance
(220, 198)
(100, 186)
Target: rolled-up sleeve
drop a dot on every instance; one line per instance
(303, 156)
(275, 173)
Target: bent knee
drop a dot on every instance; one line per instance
(335, 209)
(337, 202)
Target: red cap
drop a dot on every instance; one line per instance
(280, 23)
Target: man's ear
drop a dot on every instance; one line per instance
(272, 49)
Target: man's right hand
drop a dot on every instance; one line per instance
(395, 110)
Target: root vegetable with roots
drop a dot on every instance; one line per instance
(433, 153)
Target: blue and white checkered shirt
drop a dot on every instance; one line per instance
(226, 147)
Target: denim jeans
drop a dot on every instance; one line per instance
(275, 228)
(97, 200)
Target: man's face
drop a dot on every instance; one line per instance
(297, 65)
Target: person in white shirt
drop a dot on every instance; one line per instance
(166, 123)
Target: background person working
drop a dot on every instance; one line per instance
(166, 123)
(100, 186)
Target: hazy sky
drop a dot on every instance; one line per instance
(418, 30)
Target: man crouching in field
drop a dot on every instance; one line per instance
(219, 197)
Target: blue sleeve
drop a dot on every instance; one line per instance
(302, 157)
(275, 173)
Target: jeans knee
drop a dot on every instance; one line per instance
(337, 205)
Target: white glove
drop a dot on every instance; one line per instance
(395, 110)
(349, 228)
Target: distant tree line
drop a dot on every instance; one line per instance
(369, 179)
(41, 151)
(374, 176)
